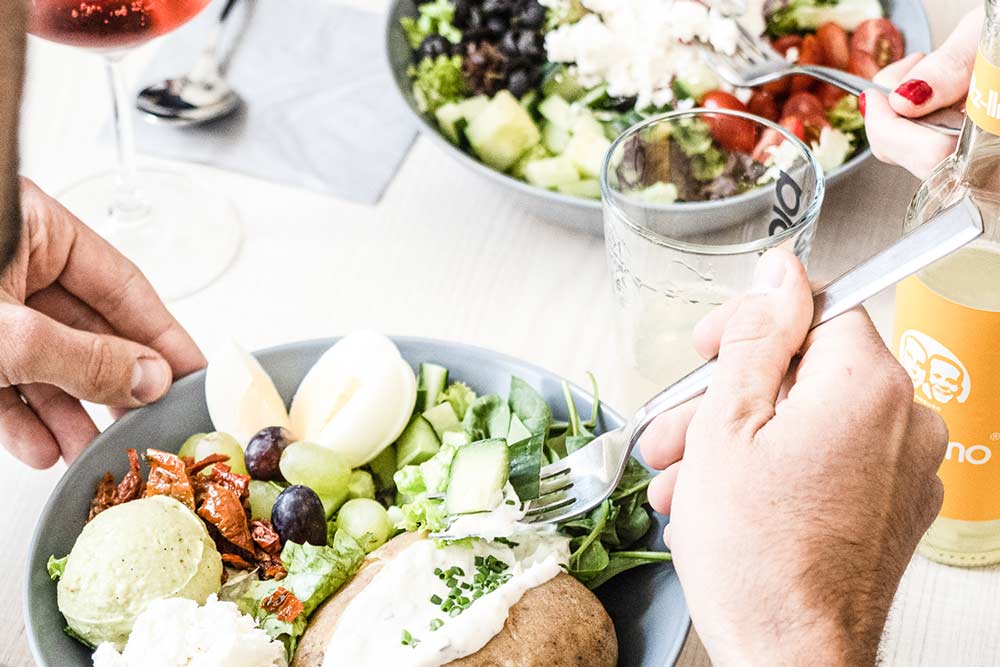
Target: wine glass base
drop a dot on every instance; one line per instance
(188, 238)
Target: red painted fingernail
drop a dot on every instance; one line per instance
(862, 104)
(916, 91)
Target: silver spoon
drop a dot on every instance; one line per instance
(200, 96)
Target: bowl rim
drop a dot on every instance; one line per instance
(611, 199)
(293, 347)
(915, 43)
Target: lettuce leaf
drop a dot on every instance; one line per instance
(433, 18)
(314, 574)
(56, 566)
(460, 396)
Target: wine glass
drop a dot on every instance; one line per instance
(181, 235)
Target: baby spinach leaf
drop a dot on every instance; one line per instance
(526, 456)
(487, 417)
(622, 561)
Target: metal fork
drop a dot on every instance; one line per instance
(755, 63)
(585, 478)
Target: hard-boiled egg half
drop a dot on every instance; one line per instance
(240, 395)
(356, 399)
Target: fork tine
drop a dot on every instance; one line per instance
(722, 65)
(748, 42)
(554, 485)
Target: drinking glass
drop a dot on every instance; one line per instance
(672, 262)
(181, 235)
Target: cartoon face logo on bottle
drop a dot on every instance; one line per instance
(939, 377)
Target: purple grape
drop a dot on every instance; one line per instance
(263, 453)
(298, 516)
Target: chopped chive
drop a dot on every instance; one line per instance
(436, 599)
(455, 611)
(435, 624)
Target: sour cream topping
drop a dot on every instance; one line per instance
(389, 621)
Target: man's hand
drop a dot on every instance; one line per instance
(921, 85)
(77, 321)
(797, 489)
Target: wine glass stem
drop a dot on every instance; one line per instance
(127, 205)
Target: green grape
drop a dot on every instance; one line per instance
(332, 503)
(205, 444)
(320, 468)
(187, 449)
(361, 485)
(262, 497)
(366, 521)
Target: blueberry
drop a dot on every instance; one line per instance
(519, 83)
(529, 44)
(531, 16)
(433, 46)
(496, 26)
(508, 44)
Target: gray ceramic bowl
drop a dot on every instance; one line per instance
(585, 214)
(647, 604)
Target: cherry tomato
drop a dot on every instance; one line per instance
(770, 138)
(834, 41)
(763, 104)
(875, 44)
(829, 94)
(802, 105)
(733, 134)
(811, 53)
(782, 45)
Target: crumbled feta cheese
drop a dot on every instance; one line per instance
(743, 94)
(792, 55)
(833, 148)
(637, 47)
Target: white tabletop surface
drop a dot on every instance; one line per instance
(448, 255)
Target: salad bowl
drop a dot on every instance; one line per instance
(582, 214)
(646, 604)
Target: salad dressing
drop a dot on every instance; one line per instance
(389, 621)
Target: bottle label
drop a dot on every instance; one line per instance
(952, 356)
(983, 103)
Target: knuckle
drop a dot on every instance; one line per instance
(895, 383)
(752, 322)
(100, 370)
(21, 334)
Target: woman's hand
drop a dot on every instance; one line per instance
(799, 484)
(921, 84)
(77, 321)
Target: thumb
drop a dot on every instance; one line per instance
(942, 78)
(94, 367)
(758, 341)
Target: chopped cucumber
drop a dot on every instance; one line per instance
(417, 443)
(455, 438)
(555, 137)
(589, 188)
(502, 132)
(560, 82)
(473, 106)
(332, 503)
(448, 117)
(361, 485)
(443, 419)
(586, 151)
(585, 123)
(657, 193)
(551, 172)
(430, 383)
(383, 467)
(518, 432)
(556, 110)
(478, 474)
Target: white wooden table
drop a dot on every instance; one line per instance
(448, 255)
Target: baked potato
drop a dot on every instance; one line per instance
(558, 624)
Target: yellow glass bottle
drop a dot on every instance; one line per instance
(947, 326)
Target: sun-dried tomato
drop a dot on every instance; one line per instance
(223, 476)
(236, 561)
(168, 477)
(222, 508)
(273, 569)
(283, 603)
(104, 496)
(193, 468)
(131, 485)
(265, 536)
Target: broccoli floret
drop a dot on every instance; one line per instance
(435, 18)
(437, 81)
